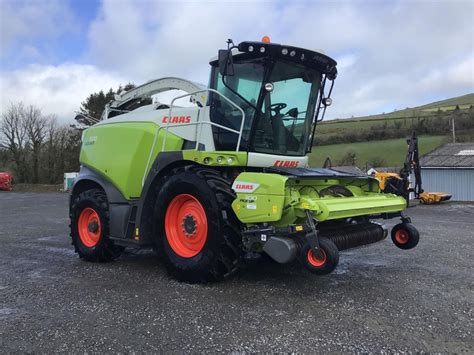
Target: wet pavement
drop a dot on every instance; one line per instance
(380, 298)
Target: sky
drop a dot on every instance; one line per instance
(390, 54)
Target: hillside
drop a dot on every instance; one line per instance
(381, 139)
(389, 152)
(431, 119)
(464, 102)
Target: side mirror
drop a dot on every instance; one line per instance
(226, 63)
(293, 112)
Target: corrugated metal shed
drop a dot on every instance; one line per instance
(450, 169)
(458, 182)
(453, 155)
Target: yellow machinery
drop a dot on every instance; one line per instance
(399, 183)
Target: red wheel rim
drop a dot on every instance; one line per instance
(89, 227)
(401, 236)
(186, 225)
(313, 260)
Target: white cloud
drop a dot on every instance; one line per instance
(390, 54)
(22, 21)
(55, 89)
(386, 51)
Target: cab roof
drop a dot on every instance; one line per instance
(316, 60)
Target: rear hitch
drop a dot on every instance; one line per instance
(312, 237)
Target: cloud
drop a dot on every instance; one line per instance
(153, 39)
(391, 54)
(55, 89)
(26, 21)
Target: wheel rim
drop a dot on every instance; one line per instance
(313, 260)
(186, 225)
(401, 236)
(89, 227)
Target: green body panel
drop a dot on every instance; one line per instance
(219, 158)
(282, 201)
(266, 203)
(120, 151)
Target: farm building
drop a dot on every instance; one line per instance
(450, 169)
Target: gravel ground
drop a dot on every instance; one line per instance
(380, 298)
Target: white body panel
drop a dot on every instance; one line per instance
(182, 122)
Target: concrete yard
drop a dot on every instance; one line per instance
(380, 298)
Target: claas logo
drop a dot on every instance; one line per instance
(286, 163)
(244, 186)
(176, 119)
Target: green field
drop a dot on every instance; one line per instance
(464, 102)
(393, 151)
(403, 118)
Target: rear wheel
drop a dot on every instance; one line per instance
(90, 227)
(405, 236)
(320, 265)
(196, 230)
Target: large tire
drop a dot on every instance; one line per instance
(196, 231)
(90, 227)
(324, 265)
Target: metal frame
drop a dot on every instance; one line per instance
(151, 88)
(197, 123)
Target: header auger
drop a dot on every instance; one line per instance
(207, 185)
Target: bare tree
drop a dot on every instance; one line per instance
(13, 136)
(35, 126)
(49, 151)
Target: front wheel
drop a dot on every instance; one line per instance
(324, 264)
(196, 231)
(405, 236)
(89, 216)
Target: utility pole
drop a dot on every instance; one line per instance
(454, 132)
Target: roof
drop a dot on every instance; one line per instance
(454, 155)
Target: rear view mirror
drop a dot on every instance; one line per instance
(226, 63)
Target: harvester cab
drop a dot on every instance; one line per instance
(227, 179)
(280, 89)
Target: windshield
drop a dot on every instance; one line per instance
(277, 121)
(247, 82)
(287, 112)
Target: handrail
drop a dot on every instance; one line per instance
(198, 123)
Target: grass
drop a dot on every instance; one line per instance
(351, 125)
(464, 102)
(393, 151)
(406, 118)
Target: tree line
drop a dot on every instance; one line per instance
(37, 148)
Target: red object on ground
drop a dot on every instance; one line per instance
(6, 181)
